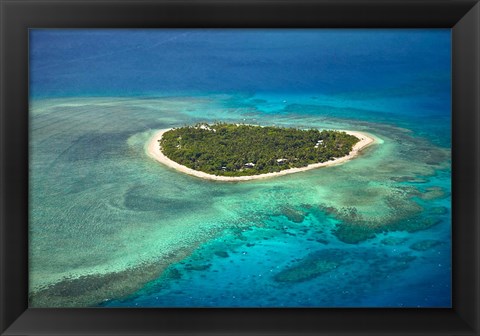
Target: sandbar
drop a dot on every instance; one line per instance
(154, 151)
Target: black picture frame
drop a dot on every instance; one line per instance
(17, 16)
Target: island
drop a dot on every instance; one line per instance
(239, 152)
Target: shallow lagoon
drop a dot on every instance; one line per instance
(112, 227)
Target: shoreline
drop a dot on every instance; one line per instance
(153, 150)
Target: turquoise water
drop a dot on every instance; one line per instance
(111, 227)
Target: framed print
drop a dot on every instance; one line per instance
(246, 182)
(251, 168)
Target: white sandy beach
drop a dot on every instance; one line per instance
(153, 150)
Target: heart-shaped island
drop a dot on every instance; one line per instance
(238, 152)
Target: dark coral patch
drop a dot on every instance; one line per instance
(425, 245)
(292, 214)
(201, 267)
(408, 179)
(393, 241)
(222, 254)
(314, 265)
(351, 233)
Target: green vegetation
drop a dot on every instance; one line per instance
(242, 150)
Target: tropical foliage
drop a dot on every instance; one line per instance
(239, 150)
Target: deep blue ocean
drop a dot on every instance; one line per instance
(129, 232)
